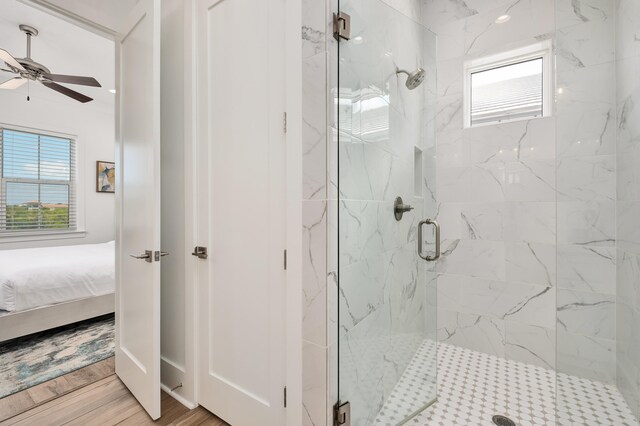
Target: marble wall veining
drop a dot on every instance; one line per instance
(586, 189)
(541, 250)
(627, 40)
(320, 216)
(315, 214)
(528, 207)
(496, 187)
(384, 315)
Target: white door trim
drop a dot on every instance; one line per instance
(294, 297)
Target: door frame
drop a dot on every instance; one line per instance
(293, 194)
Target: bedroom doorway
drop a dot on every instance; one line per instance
(133, 29)
(57, 208)
(62, 268)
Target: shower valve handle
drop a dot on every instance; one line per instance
(404, 208)
(400, 208)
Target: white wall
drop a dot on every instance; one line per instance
(65, 48)
(95, 130)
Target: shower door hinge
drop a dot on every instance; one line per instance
(285, 260)
(341, 26)
(285, 397)
(342, 414)
(284, 122)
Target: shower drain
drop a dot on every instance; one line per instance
(503, 421)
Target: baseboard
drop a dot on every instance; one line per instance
(171, 377)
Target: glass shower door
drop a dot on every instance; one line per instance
(387, 289)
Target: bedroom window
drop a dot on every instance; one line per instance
(37, 182)
(509, 86)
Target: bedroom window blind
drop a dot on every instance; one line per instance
(37, 182)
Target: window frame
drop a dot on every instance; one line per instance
(540, 50)
(75, 189)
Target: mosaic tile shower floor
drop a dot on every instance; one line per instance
(473, 387)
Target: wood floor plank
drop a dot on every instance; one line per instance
(92, 373)
(171, 410)
(27, 399)
(49, 389)
(56, 401)
(109, 414)
(108, 402)
(72, 404)
(14, 404)
(198, 417)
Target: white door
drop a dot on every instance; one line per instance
(138, 194)
(241, 216)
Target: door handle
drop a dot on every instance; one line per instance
(147, 256)
(160, 254)
(200, 252)
(436, 256)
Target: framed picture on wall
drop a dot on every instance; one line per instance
(105, 176)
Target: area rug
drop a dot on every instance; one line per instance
(36, 358)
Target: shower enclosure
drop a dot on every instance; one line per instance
(533, 303)
(387, 199)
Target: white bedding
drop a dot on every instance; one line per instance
(31, 278)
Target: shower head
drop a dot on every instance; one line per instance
(415, 78)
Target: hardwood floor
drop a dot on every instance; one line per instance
(27, 399)
(107, 402)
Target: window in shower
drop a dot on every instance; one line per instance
(513, 85)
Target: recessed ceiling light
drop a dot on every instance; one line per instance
(112, 90)
(358, 40)
(502, 19)
(560, 90)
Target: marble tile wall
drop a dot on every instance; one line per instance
(627, 39)
(496, 187)
(315, 214)
(528, 207)
(586, 176)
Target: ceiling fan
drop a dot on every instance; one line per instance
(28, 69)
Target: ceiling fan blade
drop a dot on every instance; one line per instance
(10, 60)
(73, 79)
(14, 83)
(66, 91)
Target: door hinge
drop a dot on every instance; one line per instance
(341, 26)
(342, 414)
(284, 122)
(285, 397)
(285, 260)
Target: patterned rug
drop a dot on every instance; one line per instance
(36, 358)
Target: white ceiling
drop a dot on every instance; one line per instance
(62, 47)
(109, 14)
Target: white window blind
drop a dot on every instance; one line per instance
(37, 182)
(507, 92)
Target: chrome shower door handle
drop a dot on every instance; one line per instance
(426, 257)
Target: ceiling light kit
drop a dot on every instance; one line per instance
(28, 69)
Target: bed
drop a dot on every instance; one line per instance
(42, 288)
